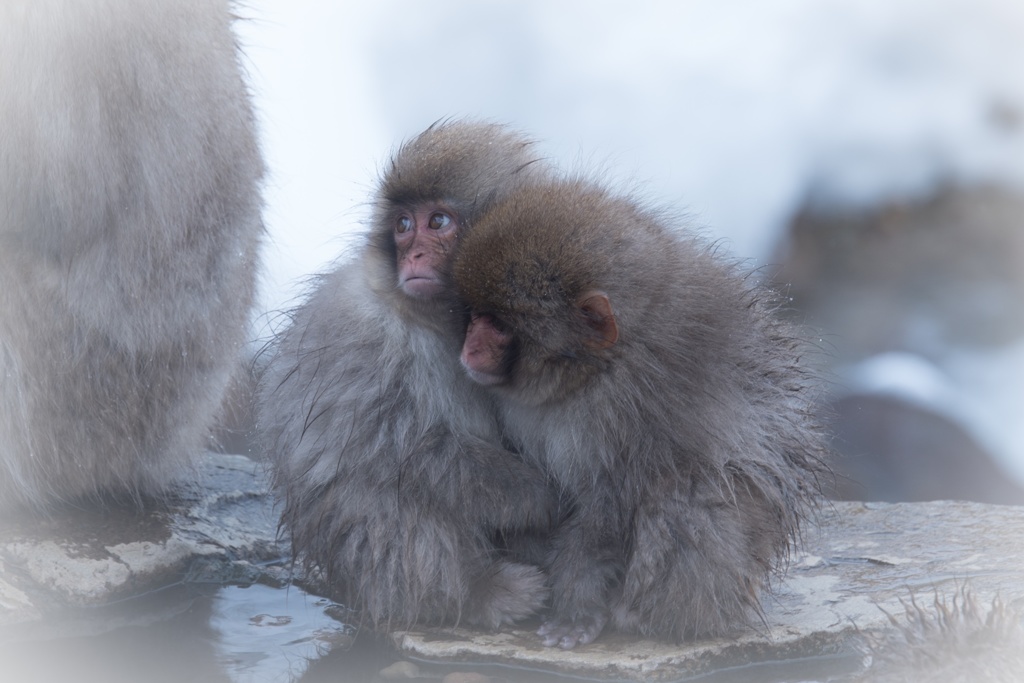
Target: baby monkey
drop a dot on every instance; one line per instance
(656, 385)
(388, 461)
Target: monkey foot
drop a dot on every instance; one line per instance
(567, 633)
(510, 593)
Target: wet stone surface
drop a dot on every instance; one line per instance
(864, 558)
(219, 525)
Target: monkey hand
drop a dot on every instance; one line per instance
(568, 633)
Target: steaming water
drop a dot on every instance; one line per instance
(258, 634)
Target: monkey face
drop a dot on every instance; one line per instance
(529, 273)
(536, 359)
(424, 235)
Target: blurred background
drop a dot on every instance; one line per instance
(867, 157)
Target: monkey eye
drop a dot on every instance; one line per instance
(498, 323)
(439, 221)
(404, 224)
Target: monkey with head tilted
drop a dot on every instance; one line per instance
(388, 460)
(129, 234)
(658, 388)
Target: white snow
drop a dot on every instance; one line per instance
(735, 112)
(732, 110)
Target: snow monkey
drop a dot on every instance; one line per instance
(656, 386)
(129, 233)
(395, 485)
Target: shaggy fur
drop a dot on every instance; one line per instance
(129, 230)
(687, 447)
(955, 640)
(388, 461)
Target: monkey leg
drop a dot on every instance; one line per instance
(506, 592)
(403, 563)
(482, 497)
(585, 568)
(695, 567)
(419, 542)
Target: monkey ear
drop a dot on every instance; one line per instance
(597, 312)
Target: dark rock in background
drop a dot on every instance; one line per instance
(918, 277)
(940, 279)
(893, 450)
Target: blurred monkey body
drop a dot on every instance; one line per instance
(394, 482)
(666, 399)
(129, 231)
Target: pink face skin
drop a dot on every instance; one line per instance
(483, 352)
(424, 237)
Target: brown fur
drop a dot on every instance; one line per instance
(682, 434)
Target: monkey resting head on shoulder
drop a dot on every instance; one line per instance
(656, 385)
(396, 487)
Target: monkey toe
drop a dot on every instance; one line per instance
(568, 633)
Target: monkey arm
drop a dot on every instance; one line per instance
(586, 566)
(478, 481)
(521, 494)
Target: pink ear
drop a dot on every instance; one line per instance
(597, 311)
